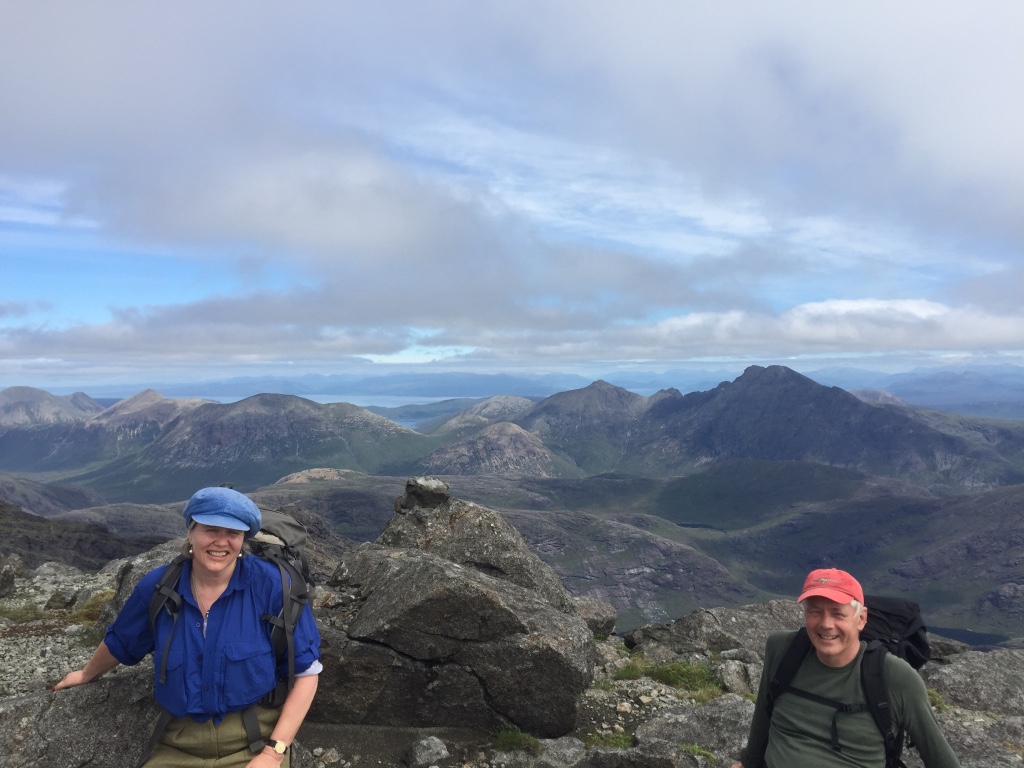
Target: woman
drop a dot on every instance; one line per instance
(219, 662)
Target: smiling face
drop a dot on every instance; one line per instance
(214, 550)
(834, 629)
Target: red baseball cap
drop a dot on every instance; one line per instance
(838, 586)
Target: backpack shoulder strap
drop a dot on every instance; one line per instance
(165, 595)
(875, 692)
(294, 596)
(791, 661)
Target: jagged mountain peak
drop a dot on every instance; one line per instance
(592, 425)
(499, 405)
(489, 411)
(27, 406)
(880, 396)
(774, 376)
(499, 449)
(146, 406)
(595, 400)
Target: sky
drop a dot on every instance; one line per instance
(198, 190)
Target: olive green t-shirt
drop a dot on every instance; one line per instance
(798, 734)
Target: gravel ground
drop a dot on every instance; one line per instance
(36, 654)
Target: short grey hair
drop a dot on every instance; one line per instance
(858, 607)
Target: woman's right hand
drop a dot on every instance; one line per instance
(101, 662)
(71, 679)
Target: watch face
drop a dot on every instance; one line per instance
(278, 746)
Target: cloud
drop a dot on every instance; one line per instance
(13, 308)
(522, 182)
(837, 328)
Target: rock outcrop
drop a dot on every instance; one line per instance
(432, 643)
(503, 449)
(432, 646)
(428, 519)
(460, 625)
(451, 620)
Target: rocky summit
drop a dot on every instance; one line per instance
(448, 643)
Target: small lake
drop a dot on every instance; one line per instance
(967, 636)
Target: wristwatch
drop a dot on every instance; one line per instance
(278, 746)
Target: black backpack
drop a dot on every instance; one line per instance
(897, 623)
(894, 626)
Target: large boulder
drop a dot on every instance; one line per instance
(105, 723)
(714, 630)
(427, 518)
(128, 572)
(424, 641)
(10, 569)
(979, 681)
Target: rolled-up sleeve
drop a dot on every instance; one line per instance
(307, 645)
(130, 638)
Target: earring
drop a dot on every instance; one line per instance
(190, 549)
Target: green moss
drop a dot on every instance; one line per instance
(682, 675)
(632, 671)
(514, 740)
(93, 607)
(617, 740)
(936, 700)
(21, 611)
(697, 751)
(696, 679)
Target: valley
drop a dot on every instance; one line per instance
(658, 504)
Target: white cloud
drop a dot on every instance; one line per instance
(536, 181)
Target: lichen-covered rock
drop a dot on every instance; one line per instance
(717, 629)
(10, 569)
(429, 520)
(105, 723)
(718, 728)
(457, 646)
(599, 614)
(985, 682)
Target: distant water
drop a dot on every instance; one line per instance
(969, 637)
(380, 401)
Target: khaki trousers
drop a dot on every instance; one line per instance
(188, 744)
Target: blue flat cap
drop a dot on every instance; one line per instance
(223, 508)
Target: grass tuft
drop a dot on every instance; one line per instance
(93, 607)
(21, 611)
(936, 700)
(632, 671)
(679, 674)
(514, 740)
(693, 678)
(697, 751)
(617, 740)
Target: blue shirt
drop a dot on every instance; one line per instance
(233, 665)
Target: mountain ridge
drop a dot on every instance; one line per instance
(769, 413)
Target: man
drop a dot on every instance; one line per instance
(799, 732)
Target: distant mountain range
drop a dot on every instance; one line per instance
(657, 503)
(994, 390)
(155, 449)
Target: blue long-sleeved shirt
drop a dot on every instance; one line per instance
(233, 665)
